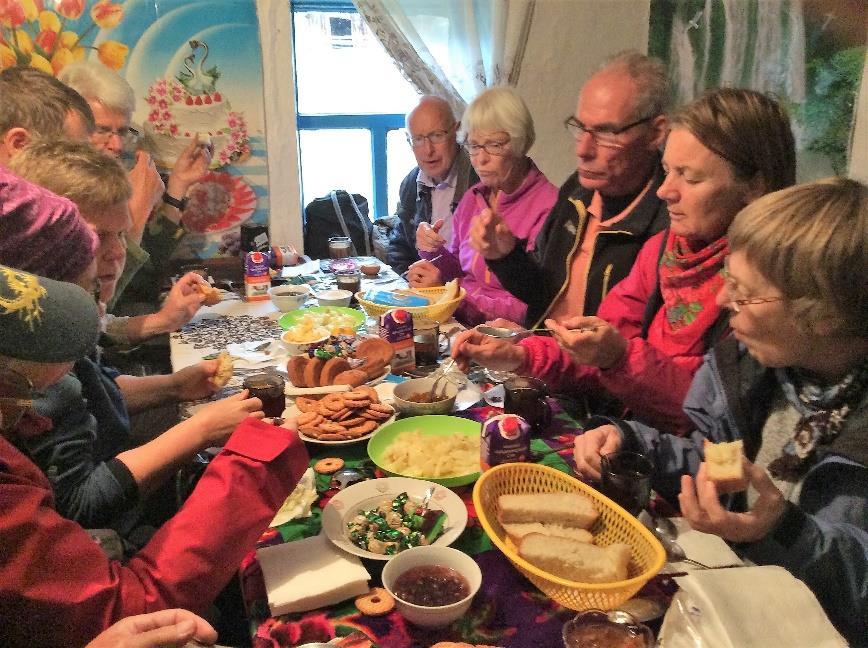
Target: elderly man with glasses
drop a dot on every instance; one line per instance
(605, 211)
(432, 190)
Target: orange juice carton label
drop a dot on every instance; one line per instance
(396, 328)
(256, 264)
(505, 438)
(256, 288)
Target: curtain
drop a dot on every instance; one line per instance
(452, 48)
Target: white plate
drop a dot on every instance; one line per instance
(383, 389)
(367, 494)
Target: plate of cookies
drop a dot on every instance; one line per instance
(341, 418)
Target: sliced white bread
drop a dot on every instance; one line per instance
(574, 560)
(518, 530)
(723, 465)
(568, 509)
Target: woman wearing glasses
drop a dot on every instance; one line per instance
(793, 386)
(726, 149)
(498, 132)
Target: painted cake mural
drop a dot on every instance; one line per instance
(196, 69)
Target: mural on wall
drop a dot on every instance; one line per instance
(196, 69)
(808, 52)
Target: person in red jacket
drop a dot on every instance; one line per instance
(726, 149)
(57, 587)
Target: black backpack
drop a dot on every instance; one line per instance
(338, 214)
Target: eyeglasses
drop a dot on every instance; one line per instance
(19, 399)
(605, 137)
(731, 287)
(127, 135)
(434, 137)
(492, 148)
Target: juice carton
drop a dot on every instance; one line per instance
(257, 279)
(396, 328)
(505, 438)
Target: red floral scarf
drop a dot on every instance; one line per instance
(689, 283)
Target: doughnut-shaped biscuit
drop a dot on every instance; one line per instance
(333, 402)
(364, 428)
(353, 422)
(332, 428)
(332, 368)
(295, 370)
(377, 602)
(353, 378)
(308, 419)
(329, 465)
(305, 404)
(312, 372)
(368, 391)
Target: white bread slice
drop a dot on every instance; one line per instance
(452, 291)
(576, 561)
(518, 530)
(723, 465)
(569, 509)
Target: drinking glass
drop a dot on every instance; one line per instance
(340, 246)
(526, 397)
(426, 340)
(269, 388)
(349, 280)
(626, 479)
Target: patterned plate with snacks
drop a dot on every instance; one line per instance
(366, 495)
(317, 418)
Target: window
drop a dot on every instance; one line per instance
(351, 105)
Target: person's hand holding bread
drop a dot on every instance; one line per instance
(700, 505)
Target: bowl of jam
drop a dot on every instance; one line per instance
(432, 586)
(613, 629)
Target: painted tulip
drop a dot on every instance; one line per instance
(46, 39)
(107, 14)
(62, 57)
(41, 63)
(48, 20)
(113, 54)
(21, 41)
(7, 57)
(11, 13)
(31, 10)
(70, 9)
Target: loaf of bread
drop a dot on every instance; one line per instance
(225, 367)
(574, 560)
(567, 509)
(211, 294)
(518, 530)
(723, 465)
(452, 291)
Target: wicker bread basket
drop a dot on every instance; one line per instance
(614, 525)
(434, 311)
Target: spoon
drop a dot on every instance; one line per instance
(504, 333)
(666, 532)
(423, 507)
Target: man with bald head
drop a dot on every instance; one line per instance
(431, 191)
(605, 211)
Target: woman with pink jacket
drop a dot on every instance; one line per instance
(498, 133)
(726, 149)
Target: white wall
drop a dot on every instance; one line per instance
(859, 146)
(568, 41)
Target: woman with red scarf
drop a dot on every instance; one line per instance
(726, 149)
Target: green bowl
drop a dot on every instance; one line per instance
(291, 318)
(427, 425)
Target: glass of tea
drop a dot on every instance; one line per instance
(426, 341)
(340, 246)
(625, 477)
(349, 280)
(526, 397)
(269, 388)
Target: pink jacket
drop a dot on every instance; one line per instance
(524, 211)
(57, 587)
(655, 373)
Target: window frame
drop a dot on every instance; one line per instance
(378, 125)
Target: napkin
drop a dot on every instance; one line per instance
(297, 505)
(706, 548)
(256, 354)
(748, 607)
(309, 574)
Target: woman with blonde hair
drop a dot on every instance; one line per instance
(725, 150)
(498, 132)
(792, 385)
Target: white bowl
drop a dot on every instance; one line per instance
(299, 348)
(445, 389)
(432, 617)
(334, 297)
(289, 297)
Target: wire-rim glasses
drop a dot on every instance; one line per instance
(730, 286)
(605, 137)
(128, 135)
(492, 148)
(434, 137)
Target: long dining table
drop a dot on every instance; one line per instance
(508, 610)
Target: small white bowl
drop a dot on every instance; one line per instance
(432, 617)
(334, 297)
(404, 390)
(300, 348)
(289, 297)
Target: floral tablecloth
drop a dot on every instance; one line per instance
(508, 610)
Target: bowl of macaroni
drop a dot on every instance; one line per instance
(441, 449)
